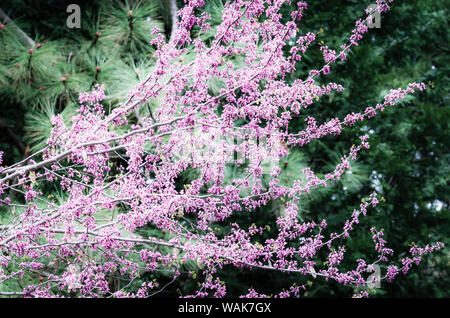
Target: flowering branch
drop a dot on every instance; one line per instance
(116, 184)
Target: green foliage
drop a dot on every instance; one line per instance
(127, 27)
(38, 126)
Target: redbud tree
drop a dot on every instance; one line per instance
(119, 176)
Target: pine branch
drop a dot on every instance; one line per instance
(8, 20)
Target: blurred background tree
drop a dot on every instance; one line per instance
(45, 66)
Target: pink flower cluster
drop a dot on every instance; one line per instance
(115, 182)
